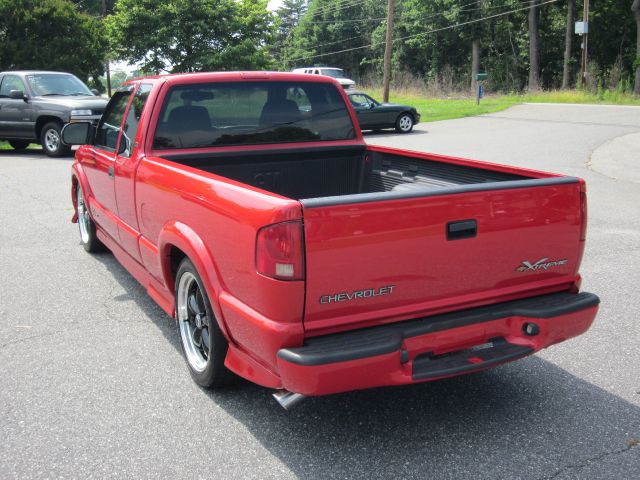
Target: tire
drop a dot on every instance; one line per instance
(51, 140)
(87, 228)
(404, 123)
(203, 344)
(19, 144)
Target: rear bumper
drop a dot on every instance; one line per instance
(435, 347)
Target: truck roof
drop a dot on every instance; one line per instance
(178, 78)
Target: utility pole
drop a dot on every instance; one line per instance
(585, 37)
(108, 72)
(387, 52)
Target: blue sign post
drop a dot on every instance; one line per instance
(480, 77)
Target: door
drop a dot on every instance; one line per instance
(365, 110)
(125, 170)
(99, 163)
(16, 115)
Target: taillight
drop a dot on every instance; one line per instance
(279, 251)
(583, 213)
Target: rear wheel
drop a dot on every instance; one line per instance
(51, 140)
(19, 144)
(404, 123)
(87, 228)
(202, 342)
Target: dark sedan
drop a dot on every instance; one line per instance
(374, 115)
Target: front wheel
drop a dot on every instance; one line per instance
(19, 144)
(87, 228)
(203, 344)
(51, 140)
(404, 123)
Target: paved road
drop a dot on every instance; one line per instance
(92, 383)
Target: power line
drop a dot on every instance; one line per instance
(422, 19)
(342, 40)
(449, 27)
(463, 9)
(336, 8)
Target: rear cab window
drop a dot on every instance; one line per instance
(225, 114)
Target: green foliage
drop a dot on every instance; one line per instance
(330, 26)
(287, 18)
(50, 35)
(191, 35)
(433, 39)
(95, 7)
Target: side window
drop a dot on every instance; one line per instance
(358, 100)
(10, 82)
(111, 122)
(133, 119)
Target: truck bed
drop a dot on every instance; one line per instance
(392, 234)
(320, 173)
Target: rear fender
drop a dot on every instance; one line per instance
(178, 235)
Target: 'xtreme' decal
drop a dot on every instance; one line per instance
(542, 264)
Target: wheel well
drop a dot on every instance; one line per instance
(175, 257)
(74, 188)
(42, 121)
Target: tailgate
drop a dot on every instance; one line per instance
(381, 260)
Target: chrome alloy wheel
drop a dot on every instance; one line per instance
(84, 221)
(52, 140)
(193, 322)
(405, 123)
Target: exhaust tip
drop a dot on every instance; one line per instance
(287, 399)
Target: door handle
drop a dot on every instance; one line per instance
(462, 229)
(111, 171)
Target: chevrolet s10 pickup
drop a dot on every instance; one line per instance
(293, 254)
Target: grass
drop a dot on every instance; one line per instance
(434, 109)
(5, 145)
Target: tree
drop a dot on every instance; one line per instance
(50, 35)
(338, 28)
(289, 15)
(95, 7)
(191, 35)
(534, 49)
(475, 48)
(635, 8)
(568, 40)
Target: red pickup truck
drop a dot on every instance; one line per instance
(295, 255)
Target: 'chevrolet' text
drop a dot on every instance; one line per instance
(348, 296)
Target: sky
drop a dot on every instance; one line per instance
(273, 4)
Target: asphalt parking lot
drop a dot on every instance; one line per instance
(93, 384)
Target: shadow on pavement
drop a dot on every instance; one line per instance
(391, 133)
(34, 154)
(528, 419)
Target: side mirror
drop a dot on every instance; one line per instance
(372, 106)
(77, 133)
(17, 95)
(95, 92)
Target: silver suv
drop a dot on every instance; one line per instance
(34, 106)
